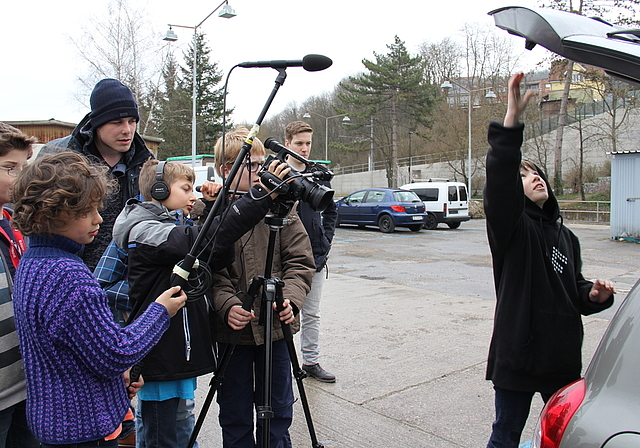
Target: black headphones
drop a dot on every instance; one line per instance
(160, 190)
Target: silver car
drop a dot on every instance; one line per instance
(602, 409)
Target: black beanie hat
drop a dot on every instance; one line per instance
(111, 100)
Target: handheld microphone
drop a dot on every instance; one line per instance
(311, 63)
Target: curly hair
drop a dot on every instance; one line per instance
(56, 189)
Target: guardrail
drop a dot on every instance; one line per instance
(598, 211)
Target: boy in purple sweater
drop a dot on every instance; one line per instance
(74, 353)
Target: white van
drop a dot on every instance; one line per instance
(445, 201)
(205, 173)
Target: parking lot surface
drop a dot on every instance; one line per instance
(406, 323)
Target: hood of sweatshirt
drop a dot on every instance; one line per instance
(143, 216)
(550, 212)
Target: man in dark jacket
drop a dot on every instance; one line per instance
(320, 227)
(541, 293)
(108, 136)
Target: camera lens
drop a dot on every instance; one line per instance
(317, 196)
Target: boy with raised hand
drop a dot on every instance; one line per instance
(74, 353)
(155, 244)
(293, 263)
(541, 293)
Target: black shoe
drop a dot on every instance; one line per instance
(319, 373)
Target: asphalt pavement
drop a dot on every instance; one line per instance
(406, 324)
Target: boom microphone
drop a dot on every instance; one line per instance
(311, 63)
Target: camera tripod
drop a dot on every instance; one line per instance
(269, 289)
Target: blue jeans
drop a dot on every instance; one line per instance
(512, 410)
(185, 422)
(14, 432)
(237, 397)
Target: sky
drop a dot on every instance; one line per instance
(38, 76)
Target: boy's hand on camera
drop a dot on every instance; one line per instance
(601, 291)
(238, 317)
(286, 315)
(210, 190)
(280, 169)
(133, 388)
(171, 303)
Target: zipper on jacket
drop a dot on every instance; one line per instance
(187, 334)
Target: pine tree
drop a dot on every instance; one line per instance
(394, 91)
(210, 97)
(174, 118)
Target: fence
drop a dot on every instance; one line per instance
(593, 211)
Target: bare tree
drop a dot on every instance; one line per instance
(120, 44)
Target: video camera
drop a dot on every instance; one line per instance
(297, 185)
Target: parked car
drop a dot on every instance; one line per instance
(386, 208)
(601, 409)
(445, 202)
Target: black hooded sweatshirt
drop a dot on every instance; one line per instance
(541, 293)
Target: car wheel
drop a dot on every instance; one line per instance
(415, 227)
(431, 222)
(386, 224)
(453, 225)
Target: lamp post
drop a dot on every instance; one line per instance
(490, 94)
(326, 128)
(227, 12)
(410, 135)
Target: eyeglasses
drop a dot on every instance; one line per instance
(252, 166)
(12, 171)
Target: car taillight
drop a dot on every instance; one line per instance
(398, 208)
(557, 413)
(444, 209)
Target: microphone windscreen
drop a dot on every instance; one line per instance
(316, 62)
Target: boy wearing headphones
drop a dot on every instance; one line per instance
(155, 244)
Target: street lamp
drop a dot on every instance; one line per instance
(326, 128)
(226, 12)
(410, 135)
(490, 94)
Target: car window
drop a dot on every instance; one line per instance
(463, 193)
(427, 194)
(406, 196)
(356, 197)
(375, 196)
(453, 193)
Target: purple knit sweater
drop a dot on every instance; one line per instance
(74, 353)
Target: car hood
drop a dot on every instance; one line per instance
(581, 39)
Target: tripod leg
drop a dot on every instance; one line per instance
(265, 412)
(298, 373)
(218, 377)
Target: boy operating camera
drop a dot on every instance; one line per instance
(74, 353)
(293, 263)
(155, 244)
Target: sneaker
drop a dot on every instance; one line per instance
(319, 373)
